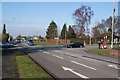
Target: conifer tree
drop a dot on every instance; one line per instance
(51, 32)
(63, 32)
(71, 33)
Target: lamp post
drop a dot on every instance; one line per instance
(113, 11)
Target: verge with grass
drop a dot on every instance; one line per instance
(91, 44)
(99, 51)
(116, 48)
(29, 69)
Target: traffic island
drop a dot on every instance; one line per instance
(105, 52)
(99, 51)
(115, 52)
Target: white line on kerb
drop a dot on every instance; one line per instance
(83, 65)
(57, 56)
(46, 52)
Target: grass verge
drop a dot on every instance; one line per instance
(28, 69)
(45, 43)
(99, 51)
(116, 48)
(92, 45)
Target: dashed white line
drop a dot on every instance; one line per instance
(57, 56)
(114, 66)
(83, 65)
(46, 52)
(40, 50)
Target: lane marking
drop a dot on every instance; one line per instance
(46, 52)
(40, 50)
(57, 56)
(62, 52)
(83, 65)
(114, 66)
(76, 73)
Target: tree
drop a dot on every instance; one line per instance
(19, 37)
(71, 33)
(5, 36)
(40, 37)
(51, 32)
(96, 31)
(4, 29)
(108, 24)
(63, 32)
(82, 17)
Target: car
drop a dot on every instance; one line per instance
(6, 44)
(11, 44)
(75, 44)
(31, 43)
(18, 40)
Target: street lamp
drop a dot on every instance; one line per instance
(113, 11)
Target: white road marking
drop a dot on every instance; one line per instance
(76, 73)
(46, 52)
(114, 66)
(57, 56)
(69, 49)
(83, 65)
(62, 52)
(40, 50)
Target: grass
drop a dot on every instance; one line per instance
(116, 48)
(28, 69)
(46, 43)
(92, 45)
(99, 51)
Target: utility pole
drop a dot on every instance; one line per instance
(65, 36)
(113, 11)
(90, 39)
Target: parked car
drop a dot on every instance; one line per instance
(18, 40)
(75, 44)
(6, 44)
(31, 43)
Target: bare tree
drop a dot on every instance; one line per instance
(108, 23)
(82, 17)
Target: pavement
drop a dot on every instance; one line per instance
(9, 69)
(73, 63)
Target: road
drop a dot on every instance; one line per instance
(73, 63)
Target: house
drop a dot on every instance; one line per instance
(36, 38)
(107, 37)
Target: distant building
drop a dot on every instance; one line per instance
(35, 38)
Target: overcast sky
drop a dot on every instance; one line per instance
(33, 18)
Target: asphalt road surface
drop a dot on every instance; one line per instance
(73, 63)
